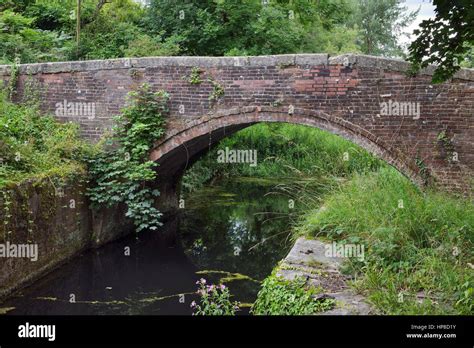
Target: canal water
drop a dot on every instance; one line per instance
(231, 232)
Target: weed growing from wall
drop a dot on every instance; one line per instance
(447, 144)
(195, 76)
(217, 90)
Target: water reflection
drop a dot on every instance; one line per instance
(233, 232)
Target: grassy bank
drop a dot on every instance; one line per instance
(419, 247)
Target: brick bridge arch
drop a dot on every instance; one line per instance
(182, 147)
(406, 120)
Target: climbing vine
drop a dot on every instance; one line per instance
(447, 144)
(122, 172)
(13, 81)
(31, 91)
(7, 214)
(424, 173)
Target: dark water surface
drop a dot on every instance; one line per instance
(232, 232)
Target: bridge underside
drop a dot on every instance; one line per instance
(184, 146)
(173, 164)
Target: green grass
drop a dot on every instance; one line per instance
(33, 145)
(419, 246)
(284, 150)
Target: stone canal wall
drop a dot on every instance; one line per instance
(43, 225)
(307, 259)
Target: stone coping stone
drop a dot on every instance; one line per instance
(311, 252)
(307, 259)
(282, 61)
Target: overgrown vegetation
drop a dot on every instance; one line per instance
(33, 145)
(419, 247)
(44, 30)
(282, 297)
(122, 172)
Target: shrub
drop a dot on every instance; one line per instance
(283, 297)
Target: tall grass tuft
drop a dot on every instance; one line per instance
(419, 246)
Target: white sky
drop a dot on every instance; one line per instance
(426, 11)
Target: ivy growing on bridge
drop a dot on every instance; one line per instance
(122, 172)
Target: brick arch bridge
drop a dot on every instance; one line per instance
(424, 130)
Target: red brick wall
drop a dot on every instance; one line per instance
(340, 94)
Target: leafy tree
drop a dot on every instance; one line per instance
(468, 61)
(107, 32)
(205, 26)
(217, 27)
(20, 39)
(275, 32)
(381, 23)
(47, 16)
(15, 5)
(339, 40)
(145, 45)
(445, 40)
(44, 30)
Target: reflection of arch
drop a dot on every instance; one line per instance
(181, 147)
